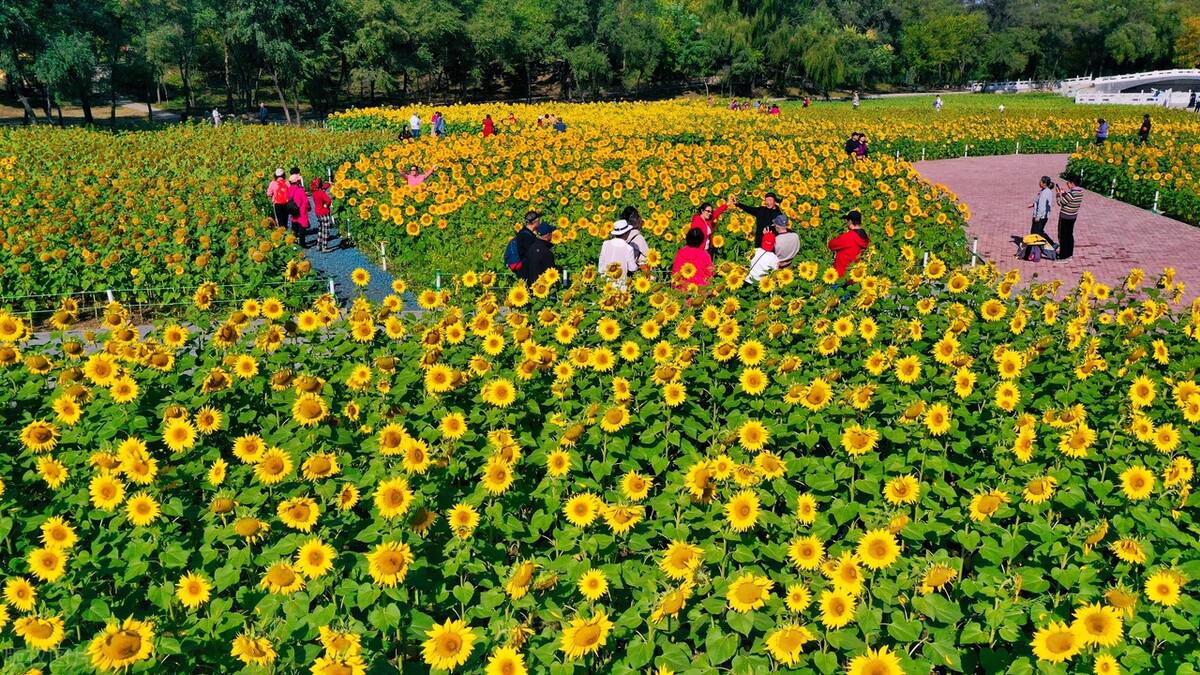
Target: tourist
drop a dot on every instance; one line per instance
(786, 243)
(1193, 102)
(539, 257)
(763, 215)
(414, 125)
(852, 145)
(405, 133)
(277, 192)
(511, 121)
(774, 110)
(437, 124)
(1144, 131)
(559, 125)
(518, 246)
(636, 239)
(856, 100)
(489, 127)
(937, 103)
(1041, 208)
(263, 113)
(216, 117)
(766, 258)
(1001, 108)
(1069, 201)
(705, 220)
(757, 105)
(695, 254)
(849, 245)
(807, 102)
(321, 207)
(541, 121)
(617, 258)
(864, 147)
(298, 196)
(1101, 131)
(415, 177)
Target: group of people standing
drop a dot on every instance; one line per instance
(1068, 201)
(291, 203)
(1143, 130)
(625, 252)
(857, 146)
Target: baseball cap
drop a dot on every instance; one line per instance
(774, 196)
(544, 229)
(854, 217)
(780, 221)
(621, 227)
(532, 217)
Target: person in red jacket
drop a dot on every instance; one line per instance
(489, 127)
(705, 220)
(321, 204)
(299, 196)
(850, 244)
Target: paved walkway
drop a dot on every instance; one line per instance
(1110, 236)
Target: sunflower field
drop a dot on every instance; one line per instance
(1135, 174)
(932, 470)
(151, 212)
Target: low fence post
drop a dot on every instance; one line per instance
(383, 256)
(965, 148)
(925, 260)
(437, 280)
(897, 155)
(108, 292)
(1112, 190)
(922, 154)
(1018, 148)
(974, 251)
(332, 291)
(1155, 207)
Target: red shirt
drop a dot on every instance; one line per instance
(700, 259)
(489, 127)
(846, 248)
(706, 226)
(321, 202)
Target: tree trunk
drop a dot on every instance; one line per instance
(112, 87)
(58, 107)
(85, 102)
(287, 116)
(296, 103)
(30, 115)
(185, 76)
(228, 91)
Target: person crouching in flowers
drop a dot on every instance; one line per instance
(618, 258)
(766, 258)
(692, 258)
(849, 245)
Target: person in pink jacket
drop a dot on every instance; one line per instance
(705, 220)
(697, 256)
(415, 177)
(299, 196)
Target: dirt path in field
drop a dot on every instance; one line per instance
(1110, 236)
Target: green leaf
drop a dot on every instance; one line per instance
(720, 647)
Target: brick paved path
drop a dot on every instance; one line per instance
(1110, 236)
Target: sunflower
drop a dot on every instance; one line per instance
(753, 381)
(748, 592)
(806, 509)
(39, 436)
(806, 552)
(593, 584)
(680, 560)
(52, 471)
(208, 420)
(986, 504)
(252, 650)
(742, 511)
(448, 645)
(274, 466)
(47, 564)
(499, 392)
(1076, 442)
(505, 661)
(582, 509)
(463, 520)
(614, 419)
(1040, 490)
(393, 498)
(858, 440)
(937, 419)
(101, 369)
(249, 449)
(19, 593)
(388, 563)
(636, 486)
(902, 490)
(753, 436)
(878, 549)
(1166, 438)
(299, 513)
(40, 633)
(1106, 664)
(1098, 625)
(1137, 483)
(1141, 392)
(309, 409)
(282, 578)
(58, 534)
(121, 645)
(558, 463)
(787, 642)
(1163, 588)
(497, 476)
(315, 558)
(880, 661)
(193, 590)
(797, 598)
(1129, 550)
(585, 636)
(141, 509)
(837, 608)
(1057, 642)
(320, 466)
(908, 369)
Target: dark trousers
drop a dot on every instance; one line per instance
(1066, 237)
(1039, 227)
(281, 215)
(301, 233)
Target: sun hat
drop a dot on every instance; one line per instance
(279, 172)
(621, 227)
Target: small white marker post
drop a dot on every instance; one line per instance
(922, 154)
(974, 251)
(383, 256)
(925, 260)
(1155, 207)
(332, 292)
(1112, 190)
(1018, 148)
(965, 147)
(437, 280)
(897, 155)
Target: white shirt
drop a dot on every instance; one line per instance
(617, 251)
(761, 264)
(414, 122)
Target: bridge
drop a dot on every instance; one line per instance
(1168, 88)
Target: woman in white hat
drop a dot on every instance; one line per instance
(618, 257)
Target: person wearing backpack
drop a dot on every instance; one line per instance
(641, 249)
(518, 246)
(277, 192)
(540, 256)
(618, 259)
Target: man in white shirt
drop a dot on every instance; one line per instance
(787, 243)
(618, 259)
(414, 124)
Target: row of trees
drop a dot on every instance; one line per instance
(327, 52)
